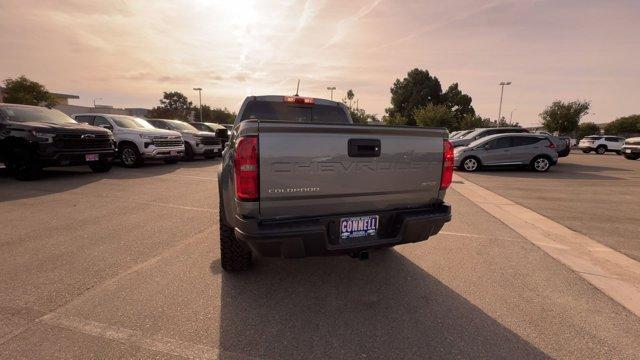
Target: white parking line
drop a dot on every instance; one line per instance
(612, 272)
(131, 337)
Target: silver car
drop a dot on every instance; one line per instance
(533, 150)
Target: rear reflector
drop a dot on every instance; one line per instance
(298, 100)
(447, 165)
(246, 169)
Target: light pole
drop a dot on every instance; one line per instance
(502, 85)
(199, 90)
(331, 88)
(94, 101)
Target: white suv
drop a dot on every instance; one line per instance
(601, 144)
(137, 139)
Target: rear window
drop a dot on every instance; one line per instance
(273, 110)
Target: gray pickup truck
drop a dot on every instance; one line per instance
(298, 178)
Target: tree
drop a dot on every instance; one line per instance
(26, 92)
(360, 116)
(564, 117)
(435, 116)
(474, 121)
(395, 119)
(173, 105)
(175, 100)
(504, 123)
(216, 115)
(350, 96)
(624, 125)
(458, 102)
(417, 89)
(586, 129)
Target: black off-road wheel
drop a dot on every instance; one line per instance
(235, 255)
(632, 156)
(24, 165)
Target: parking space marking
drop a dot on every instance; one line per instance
(131, 337)
(614, 273)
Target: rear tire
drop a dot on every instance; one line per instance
(586, 151)
(540, 164)
(188, 152)
(102, 166)
(600, 150)
(632, 156)
(234, 255)
(130, 156)
(470, 164)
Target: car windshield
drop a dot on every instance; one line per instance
(461, 134)
(215, 126)
(274, 110)
(472, 134)
(130, 122)
(35, 114)
(180, 126)
(200, 126)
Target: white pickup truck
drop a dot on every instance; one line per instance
(137, 139)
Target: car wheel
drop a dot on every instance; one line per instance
(600, 150)
(102, 166)
(586, 151)
(541, 164)
(24, 165)
(632, 156)
(129, 156)
(470, 164)
(234, 254)
(188, 152)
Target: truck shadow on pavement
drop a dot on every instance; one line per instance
(337, 307)
(61, 179)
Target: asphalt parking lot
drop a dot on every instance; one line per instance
(126, 265)
(593, 194)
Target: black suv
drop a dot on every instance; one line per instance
(33, 137)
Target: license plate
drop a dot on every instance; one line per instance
(92, 157)
(627, 151)
(173, 152)
(358, 226)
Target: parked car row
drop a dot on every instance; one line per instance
(32, 138)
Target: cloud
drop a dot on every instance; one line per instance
(343, 26)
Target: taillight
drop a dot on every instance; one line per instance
(298, 100)
(245, 165)
(447, 165)
(551, 144)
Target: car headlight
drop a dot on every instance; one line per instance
(43, 137)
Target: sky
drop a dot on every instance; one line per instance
(128, 52)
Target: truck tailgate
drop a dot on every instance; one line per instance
(320, 169)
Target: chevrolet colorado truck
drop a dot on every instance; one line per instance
(137, 139)
(34, 137)
(298, 178)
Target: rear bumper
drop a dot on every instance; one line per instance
(320, 236)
